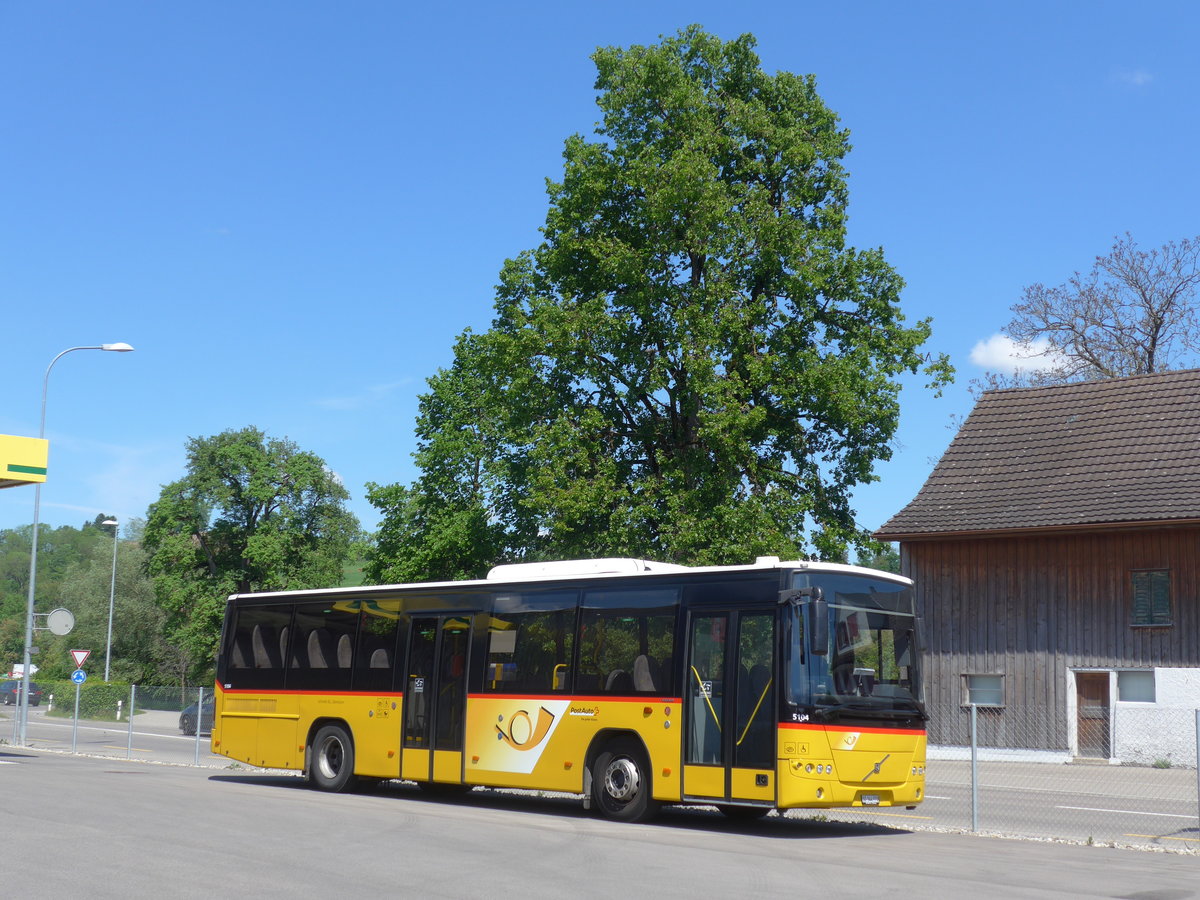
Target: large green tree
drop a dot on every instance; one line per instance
(252, 513)
(693, 364)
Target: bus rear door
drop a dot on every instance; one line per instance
(435, 698)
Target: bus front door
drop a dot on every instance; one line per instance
(730, 707)
(435, 698)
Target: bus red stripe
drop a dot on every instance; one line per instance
(809, 726)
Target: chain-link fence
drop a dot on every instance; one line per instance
(166, 724)
(1124, 776)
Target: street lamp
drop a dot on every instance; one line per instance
(112, 593)
(23, 709)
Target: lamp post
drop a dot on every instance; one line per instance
(112, 594)
(23, 709)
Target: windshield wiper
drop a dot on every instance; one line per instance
(868, 712)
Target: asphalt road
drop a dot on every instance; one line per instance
(1124, 806)
(155, 736)
(76, 825)
(1115, 806)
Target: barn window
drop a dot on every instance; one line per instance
(1152, 597)
(1136, 686)
(983, 690)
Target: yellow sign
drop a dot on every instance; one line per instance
(22, 460)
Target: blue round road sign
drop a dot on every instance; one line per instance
(79, 676)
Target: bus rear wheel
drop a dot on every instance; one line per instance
(331, 760)
(621, 782)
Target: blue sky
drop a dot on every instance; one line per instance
(290, 209)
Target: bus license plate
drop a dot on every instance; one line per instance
(870, 799)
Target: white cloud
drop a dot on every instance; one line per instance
(1133, 77)
(369, 396)
(126, 480)
(1002, 354)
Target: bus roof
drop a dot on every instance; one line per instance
(611, 567)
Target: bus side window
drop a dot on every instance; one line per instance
(322, 637)
(627, 641)
(255, 660)
(531, 642)
(530, 652)
(375, 654)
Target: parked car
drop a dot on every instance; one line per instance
(10, 693)
(187, 718)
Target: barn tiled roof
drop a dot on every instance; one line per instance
(1120, 451)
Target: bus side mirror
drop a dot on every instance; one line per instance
(818, 627)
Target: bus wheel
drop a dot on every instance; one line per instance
(331, 764)
(621, 783)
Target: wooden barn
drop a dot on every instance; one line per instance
(1056, 553)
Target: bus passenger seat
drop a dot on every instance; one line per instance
(379, 659)
(319, 649)
(243, 655)
(646, 674)
(266, 646)
(345, 652)
(619, 682)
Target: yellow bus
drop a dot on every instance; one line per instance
(777, 685)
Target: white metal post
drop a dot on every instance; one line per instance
(132, 704)
(974, 770)
(199, 719)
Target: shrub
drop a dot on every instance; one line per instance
(97, 700)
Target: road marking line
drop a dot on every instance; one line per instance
(1126, 812)
(1162, 837)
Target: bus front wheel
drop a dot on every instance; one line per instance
(331, 763)
(621, 782)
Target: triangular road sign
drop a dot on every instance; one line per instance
(80, 656)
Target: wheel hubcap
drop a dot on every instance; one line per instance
(330, 759)
(621, 780)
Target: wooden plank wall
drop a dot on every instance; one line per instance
(1030, 608)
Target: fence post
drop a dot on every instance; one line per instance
(199, 719)
(132, 710)
(1198, 767)
(974, 772)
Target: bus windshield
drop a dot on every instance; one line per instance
(870, 666)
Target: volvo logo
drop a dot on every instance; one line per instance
(878, 767)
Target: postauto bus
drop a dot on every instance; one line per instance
(777, 685)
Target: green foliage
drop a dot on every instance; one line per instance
(884, 557)
(693, 365)
(97, 700)
(141, 652)
(63, 553)
(252, 513)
